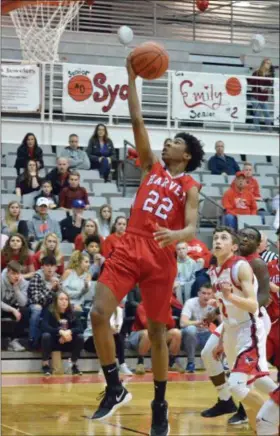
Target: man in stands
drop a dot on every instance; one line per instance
(221, 163)
(199, 252)
(13, 302)
(77, 158)
(238, 201)
(194, 329)
(59, 175)
(186, 268)
(41, 223)
(73, 192)
(251, 183)
(266, 255)
(72, 225)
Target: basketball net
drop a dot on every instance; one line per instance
(40, 27)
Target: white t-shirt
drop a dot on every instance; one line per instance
(193, 310)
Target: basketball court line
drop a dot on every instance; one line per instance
(15, 429)
(119, 426)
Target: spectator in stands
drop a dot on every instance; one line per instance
(41, 290)
(59, 175)
(238, 201)
(186, 268)
(118, 230)
(90, 228)
(77, 158)
(61, 331)
(116, 322)
(41, 223)
(194, 329)
(29, 181)
(251, 183)
(104, 221)
(132, 301)
(199, 252)
(13, 304)
(50, 247)
(16, 248)
(47, 192)
(76, 280)
(263, 250)
(92, 249)
(73, 192)
(29, 150)
(101, 151)
(221, 163)
(72, 225)
(262, 88)
(12, 222)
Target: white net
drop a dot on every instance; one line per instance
(39, 28)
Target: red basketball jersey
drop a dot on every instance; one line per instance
(160, 200)
(273, 308)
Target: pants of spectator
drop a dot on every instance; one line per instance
(103, 166)
(261, 113)
(119, 343)
(191, 337)
(34, 323)
(230, 221)
(12, 328)
(50, 343)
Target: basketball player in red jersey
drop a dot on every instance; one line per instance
(268, 416)
(164, 212)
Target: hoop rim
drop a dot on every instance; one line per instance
(10, 5)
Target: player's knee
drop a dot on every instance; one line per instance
(157, 334)
(238, 385)
(98, 315)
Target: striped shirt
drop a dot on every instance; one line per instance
(268, 256)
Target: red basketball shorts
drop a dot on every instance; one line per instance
(273, 344)
(140, 260)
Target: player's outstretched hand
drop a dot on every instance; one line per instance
(129, 68)
(165, 236)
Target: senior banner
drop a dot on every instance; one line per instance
(20, 88)
(213, 97)
(96, 89)
(276, 102)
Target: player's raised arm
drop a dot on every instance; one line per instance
(261, 272)
(146, 156)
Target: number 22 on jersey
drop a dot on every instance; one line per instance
(160, 207)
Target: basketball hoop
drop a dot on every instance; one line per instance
(40, 24)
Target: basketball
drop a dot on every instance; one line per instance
(233, 86)
(80, 88)
(149, 60)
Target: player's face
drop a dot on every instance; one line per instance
(248, 242)
(223, 245)
(175, 151)
(182, 251)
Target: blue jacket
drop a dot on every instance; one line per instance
(218, 165)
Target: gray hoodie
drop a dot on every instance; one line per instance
(78, 158)
(12, 295)
(40, 228)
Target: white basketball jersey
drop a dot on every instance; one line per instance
(228, 273)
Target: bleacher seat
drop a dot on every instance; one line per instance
(275, 161)
(265, 193)
(97, 201)
(28, 199)
(211, 179)
(255, 159)
(211, 191)
(91, 293)
(50, 161)
(266, 181)
(210, 210)
(7, 198)
(88, 186)
(250, 220)
(230, 179)
(121, 203)
(271, 234)
(66, 248)
(264, 170)
(100, 189)
(196, 177)
(27, 214)
(89, 214)
(8, 173)
(269, 220)
(89, 175)
(117, 213)
(57, 214)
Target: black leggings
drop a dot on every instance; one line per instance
(119, 342)
(12, 328)
(50, 343)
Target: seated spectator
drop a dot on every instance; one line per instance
(46, 192)
(118, 230)
(238, 201)
(29, 150)
(92, 249)
(73, 192)
(221, 163)
(59, 175)
(41, 290)
(263, 249)
(194, 328)
(13, 304)
(104, 220)
(76, 279)
(12, 222)
(41, 223)
(251, 183)
(101, 151)
(16, 248)
(61, 331)
(116, 322)
(72, 225)
(50, 247)
(77, 158)
(199, 252)
(29, 181)
(187, 268)
(132, 301)
(90, 228)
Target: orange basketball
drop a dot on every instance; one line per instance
(80, 88)
(233, 86)
(149, 60)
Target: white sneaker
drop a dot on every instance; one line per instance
(100, 372)
(14, 345)
(123, 369)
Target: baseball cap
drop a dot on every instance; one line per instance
(42, 201)
(240, 174)
(78, 204)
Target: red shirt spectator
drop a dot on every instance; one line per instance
(251, 183)
(37, 263)
(73, 192)
(238, 200)
(141, 320)
(26, 265)
(198, 250)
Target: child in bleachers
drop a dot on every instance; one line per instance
(93, 248)
(12, 222)
(118, 230)
(42, 224)
(50, 246)
(104, 220)
(90, 228)
(16, 248)
(47, 192)
(73, 192)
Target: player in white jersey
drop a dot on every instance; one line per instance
(268, 416)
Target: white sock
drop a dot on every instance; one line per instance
(224, 392)
(265, 384)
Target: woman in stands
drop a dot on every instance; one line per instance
(118, 230)
(62, 331)
(29, 181)
(104, 221)
(29, 150)
(50, 247)
(90, 228)
(12, 222)
(16, 248)
(101, 151)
